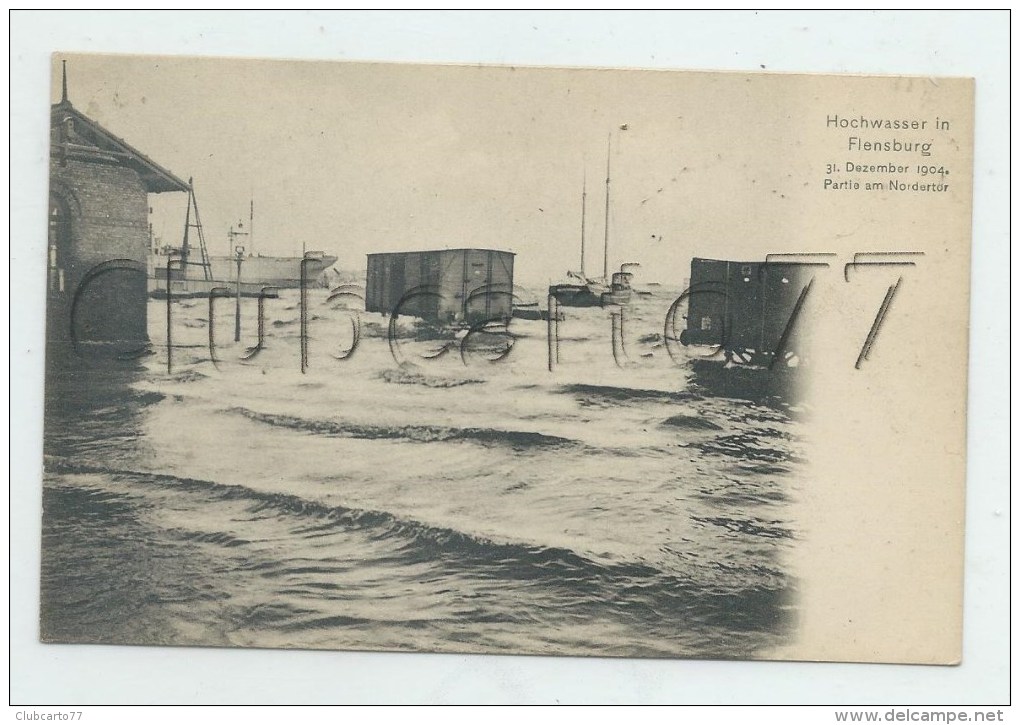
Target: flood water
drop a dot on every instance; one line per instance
(610, 507)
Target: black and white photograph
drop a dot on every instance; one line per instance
(590, 363)
(367, 356)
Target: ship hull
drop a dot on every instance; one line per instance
(576, 295)
(256, 273)
(594, 294)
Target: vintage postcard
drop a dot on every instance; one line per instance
(506, 360)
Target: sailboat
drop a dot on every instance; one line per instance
(589, 292)
(585, 292)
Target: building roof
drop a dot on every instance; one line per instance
(90, 140)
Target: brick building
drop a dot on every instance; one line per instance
(98, 235)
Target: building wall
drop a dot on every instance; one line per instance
(97, 285)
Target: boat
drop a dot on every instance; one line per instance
(189, 270)
(256, 270)
(584, 292)
(591, 292)
(620, 289)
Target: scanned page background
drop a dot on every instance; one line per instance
(885, 505)
(360, 158)
(920, 488)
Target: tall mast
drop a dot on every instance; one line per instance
(251, 225)
(185, 247)
(605, 251)
(584, 200)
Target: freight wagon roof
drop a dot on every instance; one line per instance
(729, 261)
(776, 261)
(439, 251)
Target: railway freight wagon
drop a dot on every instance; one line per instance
(750, 309)
(443, 286)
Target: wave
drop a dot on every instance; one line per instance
(743, 598)
(219, 538)
(406, 377)
(515, 439)
(610, 393)
(690, 422)
(741, 494)
(750, 446)
(188, 376)
(752, 527)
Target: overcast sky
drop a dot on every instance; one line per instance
(356, 158)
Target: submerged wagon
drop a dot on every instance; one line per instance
(442, 286)
(749, 310)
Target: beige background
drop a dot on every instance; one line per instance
(355, 158)
(845, 46)
(884, 509)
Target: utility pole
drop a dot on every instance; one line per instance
(239, 253)
(605, 251)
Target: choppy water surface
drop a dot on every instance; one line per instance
(610, 507)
